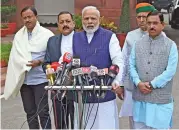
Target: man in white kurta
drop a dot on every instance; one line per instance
(99, 47)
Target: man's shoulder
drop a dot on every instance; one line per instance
(167, 40)
(134, 32)
(55, 37)
(78, 33)
(106, 30)
(19, 32)
(45, 30)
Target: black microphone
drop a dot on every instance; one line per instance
(58, 73)
(93, 76)
(101, 74)
(113, 71)
(67, 57)
(78, 71)
(67, 77)
(76, 62)
(86, 71)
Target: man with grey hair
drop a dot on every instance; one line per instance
(99, 47)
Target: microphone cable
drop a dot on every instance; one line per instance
(33, 117)
(87, 118)
(38, 111)
(48, 117)
(95, 115)
(92, 108)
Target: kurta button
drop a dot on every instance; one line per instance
(149, 62)
(147, 73)
(150, 53)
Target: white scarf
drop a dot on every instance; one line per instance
(21, 54)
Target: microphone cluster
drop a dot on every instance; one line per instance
(72, 72)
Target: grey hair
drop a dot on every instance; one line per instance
(90, 7)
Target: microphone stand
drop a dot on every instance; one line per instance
(80, 105)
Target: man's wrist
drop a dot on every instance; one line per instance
(40, 62)
(150, 84)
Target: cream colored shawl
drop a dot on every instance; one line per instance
(21, 54)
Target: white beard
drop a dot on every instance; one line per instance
(90, 31)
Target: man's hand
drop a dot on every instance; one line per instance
(118, 90)
(144, 87)
(120, 93)
(49, 71)
(34, 63)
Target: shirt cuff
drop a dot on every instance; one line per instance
(153, 84)
(116, 82)
(137, 81)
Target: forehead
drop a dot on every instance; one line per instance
(65, 17)
(142, 14)
(90, 13)
(153, 18)
(27, 12)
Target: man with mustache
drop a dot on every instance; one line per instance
(142, 10)
(25, 71)
(153, 63)
(98, 47)
(57, 46)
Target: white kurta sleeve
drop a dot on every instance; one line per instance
(116, 57)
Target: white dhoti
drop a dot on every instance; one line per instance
(127, 107)
(106, 116)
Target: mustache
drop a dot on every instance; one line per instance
(27, 22)
(65, 27)
(152, 29)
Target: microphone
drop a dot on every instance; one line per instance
(113, 71)
(67, 57)
(92, 69)
(78, 71)
(93, 76)
(86, 71)
(66, 76)
(76, 62)
(101, 74)
(58, 72)
(50, 73)
(55, 65)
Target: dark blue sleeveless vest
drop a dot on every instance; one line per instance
(96, 53)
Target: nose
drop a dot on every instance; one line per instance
(26, 19)
(152, 25)
(141, 19)
(89, 20)
(64, 23)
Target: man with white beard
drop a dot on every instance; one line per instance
(99, 47)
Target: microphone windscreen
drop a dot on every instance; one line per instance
(55, 65)
(67, 57)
